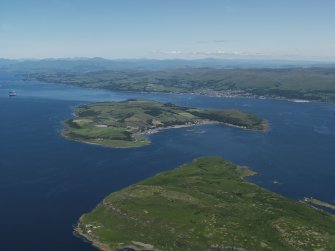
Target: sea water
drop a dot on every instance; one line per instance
(48, 182)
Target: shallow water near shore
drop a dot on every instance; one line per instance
(47, 182)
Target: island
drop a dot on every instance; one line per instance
(205, 205)
(126, 123)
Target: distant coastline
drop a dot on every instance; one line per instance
(294, 84)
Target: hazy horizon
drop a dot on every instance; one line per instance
(149, 29)
(279, 60)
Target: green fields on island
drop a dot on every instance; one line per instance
(205, 205)
(125, 123)
(315, 84)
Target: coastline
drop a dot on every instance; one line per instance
(86, 238)
(159, 129)
(205, 122)
(315, 202)
(97, 144)
(147, 191)
(216, 95)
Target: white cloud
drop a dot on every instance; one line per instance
(215, 41)
(174, 52)
(226, 54)
(203, 54)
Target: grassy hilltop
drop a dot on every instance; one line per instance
(205, 205)
(125, 123)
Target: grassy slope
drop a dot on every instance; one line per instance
(115, 123)
(295, 83)
(203, 204)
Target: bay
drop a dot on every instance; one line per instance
(47, 182)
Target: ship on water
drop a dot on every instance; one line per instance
(12, 93)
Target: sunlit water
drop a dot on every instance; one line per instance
(47, 182)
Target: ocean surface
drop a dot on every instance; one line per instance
(47, 182)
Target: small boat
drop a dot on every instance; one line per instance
(12, 93)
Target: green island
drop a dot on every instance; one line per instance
(205, 205)
(126, 123)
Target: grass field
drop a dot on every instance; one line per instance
(124, 124)
(201, 205)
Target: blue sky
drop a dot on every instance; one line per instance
(285, 29)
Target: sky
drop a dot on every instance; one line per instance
(163, 29)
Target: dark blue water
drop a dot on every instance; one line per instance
(47, 182)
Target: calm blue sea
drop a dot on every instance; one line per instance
(47, 182)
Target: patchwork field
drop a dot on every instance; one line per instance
(125, 123)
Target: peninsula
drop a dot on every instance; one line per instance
(319, 203)
(205, 205)
(126, 123)
(292, 83)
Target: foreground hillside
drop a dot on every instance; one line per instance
(205, 205)
(125, 123)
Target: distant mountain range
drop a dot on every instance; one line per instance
(98, 64)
